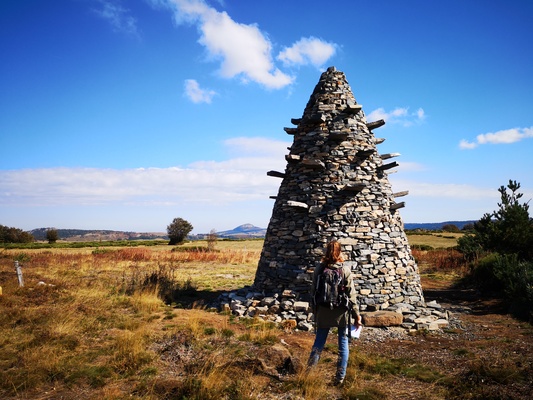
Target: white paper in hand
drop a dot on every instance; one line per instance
(355, 331)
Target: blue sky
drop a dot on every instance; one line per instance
(123, 115)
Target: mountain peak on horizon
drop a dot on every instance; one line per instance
(244, 230)
(246, 227)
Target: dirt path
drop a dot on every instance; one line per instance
(484, 354)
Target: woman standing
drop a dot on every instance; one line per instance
(332, 315)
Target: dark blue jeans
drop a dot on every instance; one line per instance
(344, 350)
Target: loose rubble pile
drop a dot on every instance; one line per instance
(335, 187)
(291, 313)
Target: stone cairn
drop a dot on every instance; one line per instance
(335, 186)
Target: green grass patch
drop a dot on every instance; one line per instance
(378, 365)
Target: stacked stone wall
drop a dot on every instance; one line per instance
(335, 187)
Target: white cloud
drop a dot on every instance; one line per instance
(118, 16)
(197, 94)
(399, 115)
(243, 49)
(505, 136)
(465, 144)
(240, 179)
(307, 51)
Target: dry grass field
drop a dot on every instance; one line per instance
(435, 240)
(131, 323)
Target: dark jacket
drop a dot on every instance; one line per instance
(325, 317)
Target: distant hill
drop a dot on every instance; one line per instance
(248, 231)
(434, 226)
(83, 235)
(245, 231)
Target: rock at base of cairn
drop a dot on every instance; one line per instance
(291, 313)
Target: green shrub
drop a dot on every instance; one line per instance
(178, 230)
(508, 277)
(209, 331)
(450, 228)
(508, 230)
(470, 245)
(14, 235)
(516, 278)
(483, 275)
(227, 333)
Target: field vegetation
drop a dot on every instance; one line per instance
(124, 322)
(430, 240)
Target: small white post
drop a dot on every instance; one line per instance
(19, 273)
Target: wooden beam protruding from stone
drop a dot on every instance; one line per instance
(396, 206)
(375, 124)
(297, 204)
(276, 174)
(291, 131)
(379, 140)
(387, 166)
(365, 153)
(292, 157)
(296, 121)
(389, 155)
(353, 108)
(401, 194)
(354, 187)
(273, 197)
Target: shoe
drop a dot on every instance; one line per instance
(338, 381)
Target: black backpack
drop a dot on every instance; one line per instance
(330, 288)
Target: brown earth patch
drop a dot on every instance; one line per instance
(484, 354)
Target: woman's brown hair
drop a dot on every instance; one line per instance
(333, 253)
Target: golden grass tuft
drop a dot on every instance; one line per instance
(312, 384)
(441, 260)
(260, 332)
(129, 350)
(147, 301)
